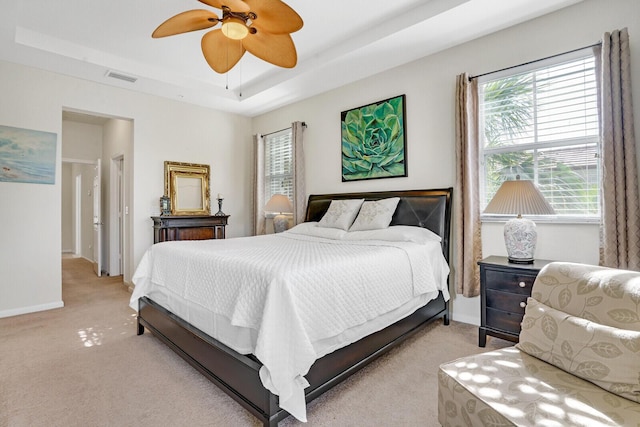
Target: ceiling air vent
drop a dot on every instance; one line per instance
(120, 76)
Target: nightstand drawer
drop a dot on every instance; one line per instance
(505, 301)
(505, 321)
(514, 282)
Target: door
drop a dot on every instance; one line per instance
(97, 218)
(115, 220)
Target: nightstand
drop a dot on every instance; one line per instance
(504, 288)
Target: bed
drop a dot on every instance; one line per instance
(240, 373)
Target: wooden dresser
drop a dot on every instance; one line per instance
(504, 288)
(169, 227)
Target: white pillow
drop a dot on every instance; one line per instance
(375, 214)
(341, 214)
(396, 233)
(311, 229)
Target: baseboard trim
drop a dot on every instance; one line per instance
(31, 309)
(463, 318)
(128, 285)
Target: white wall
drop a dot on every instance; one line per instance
(80, 142)
(118, 143)
(67, 232)
(171, 130)
(86, 173)
(30, 265)
(429, 84)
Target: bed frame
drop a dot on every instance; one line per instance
(237, 374)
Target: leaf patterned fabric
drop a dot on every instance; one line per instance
(582, 318)
(602, 295)
(508, 387)
(606, 356)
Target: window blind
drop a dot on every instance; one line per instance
(279, 164)
(542, 124)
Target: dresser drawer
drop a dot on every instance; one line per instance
(505, 301)
(503, 320)
(200, 233)
(514, 282)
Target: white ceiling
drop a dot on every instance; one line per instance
(342, 41)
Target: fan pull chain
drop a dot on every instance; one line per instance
(240, 73)
(227, 73)
(240, 92)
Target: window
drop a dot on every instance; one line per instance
(542, 124)
(278, 164)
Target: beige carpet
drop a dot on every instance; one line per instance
(83, 365)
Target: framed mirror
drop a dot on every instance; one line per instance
(187, 185)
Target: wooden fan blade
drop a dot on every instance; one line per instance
(221, 53)
(274, 16)
(234, 5)
(278, 49)
(184, 22)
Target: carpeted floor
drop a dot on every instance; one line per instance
(83, 365)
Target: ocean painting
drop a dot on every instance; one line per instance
(27, 155)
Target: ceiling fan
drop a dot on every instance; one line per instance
(261, 27)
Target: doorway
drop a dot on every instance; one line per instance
(76, 204)
(116, 215)
(88, 140)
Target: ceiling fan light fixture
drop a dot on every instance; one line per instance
(235, 28)
(260, 27)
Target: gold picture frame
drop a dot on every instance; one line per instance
(187, 185)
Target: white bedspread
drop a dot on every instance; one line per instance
(292, 292)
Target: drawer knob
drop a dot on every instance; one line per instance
(523, 304)
(522, 284)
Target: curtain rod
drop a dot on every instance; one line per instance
(304, 124)
(534, 61)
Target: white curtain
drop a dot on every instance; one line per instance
(258, 202)
(467, 231)
(620, 227)
(300, 202)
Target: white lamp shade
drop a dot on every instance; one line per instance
(519, 197)
(279, 203)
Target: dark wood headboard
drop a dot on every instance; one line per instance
(420, 208)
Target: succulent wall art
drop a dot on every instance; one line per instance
(374, 141)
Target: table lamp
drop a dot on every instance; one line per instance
(281, 204)
(519, 197)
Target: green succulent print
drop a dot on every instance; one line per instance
(373, 144)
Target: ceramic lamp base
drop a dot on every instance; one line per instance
(280, 223)
(520, 238)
